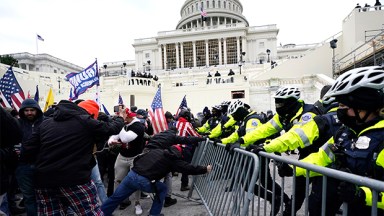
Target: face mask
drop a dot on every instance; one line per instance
(349, 121)
(287, 110)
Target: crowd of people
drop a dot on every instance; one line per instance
(74, 159)
(366, 7)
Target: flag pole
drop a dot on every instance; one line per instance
(97, 86)
(37, 45)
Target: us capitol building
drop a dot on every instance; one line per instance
(222, 42)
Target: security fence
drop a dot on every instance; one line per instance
(242, 184)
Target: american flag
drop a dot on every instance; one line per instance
(11, 92)
(40, 38)
(203, 13)
(120, 100)
(183, 105)
(156, 113)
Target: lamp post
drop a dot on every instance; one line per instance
(59, 80)
(333, 44)
(149, 66)
(105, 69)
(241, 60)
(268, 53)
(125, 71)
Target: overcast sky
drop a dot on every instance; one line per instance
(79, 31)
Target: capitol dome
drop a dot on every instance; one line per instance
(220, 13)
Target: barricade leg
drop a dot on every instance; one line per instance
(315, 199)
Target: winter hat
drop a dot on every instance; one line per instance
(129, 113)
(91, 107)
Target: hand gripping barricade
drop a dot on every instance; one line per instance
(232, 187)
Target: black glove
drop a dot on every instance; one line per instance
(215, 141)
(250, 148)
(231, 147)
(258, 149)
(350, 193)
(284, 170)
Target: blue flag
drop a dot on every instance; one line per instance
(83, 80)
(37, 94)
(71, 97)
(105, 109)
(120, 100)
(183, 105)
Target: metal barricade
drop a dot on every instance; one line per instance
(327, 174)
(228, 189)
(242, 184)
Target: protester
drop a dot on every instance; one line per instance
(61, 149)
(185, 128)
(131, 143)
(30, 119)
(165, 140)
(146, 173)
(10, 135)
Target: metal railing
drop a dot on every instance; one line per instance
(231, 188)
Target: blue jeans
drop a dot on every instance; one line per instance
(4, 205)
(95, 176)
(131, 183)
(25, 177)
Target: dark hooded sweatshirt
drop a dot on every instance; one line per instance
(27, 126)
(62, 146)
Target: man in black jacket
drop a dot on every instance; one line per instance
(148, 169)
(10, 135)
(165, 140)
(61, 149)
(30, 119)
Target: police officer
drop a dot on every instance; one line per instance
(291, 112)
(212, 122)
(357, 147)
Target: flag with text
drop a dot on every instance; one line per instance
(83, 80)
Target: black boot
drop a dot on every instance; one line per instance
(276, 207)
(169, 201)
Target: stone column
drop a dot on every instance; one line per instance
(206, 53)
(182, 54)
(194, 53)
(165, 56)
(177, 56)
(238, 48)
(225, 50)
(220, 58)
(244, 44)
(161, 60)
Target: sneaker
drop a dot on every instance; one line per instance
(138, 209)
(144, 196)
(169, 201)
(184, 188)
(124, 205)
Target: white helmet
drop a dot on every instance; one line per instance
(368, 77)
(233, 107)
(287, 92)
